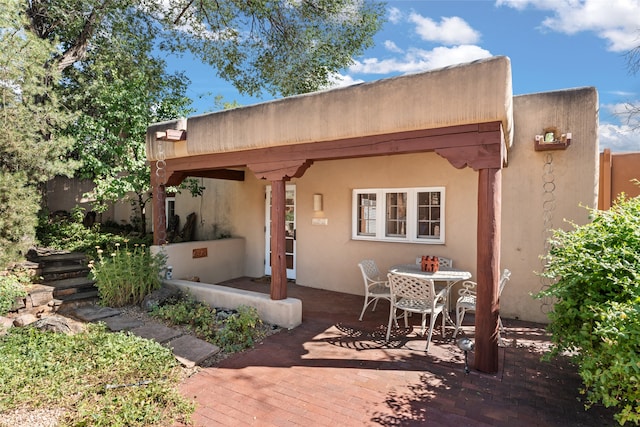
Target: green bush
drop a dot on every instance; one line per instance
(234, 332)
(197, 316)
(70, 234)
(240, 330)
(596, 316)
(126, 276)
(11, 288)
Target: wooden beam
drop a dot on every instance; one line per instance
(483, 134)
(227, 174)
(280, 170)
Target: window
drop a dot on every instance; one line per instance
(414, 215)
(169, 207)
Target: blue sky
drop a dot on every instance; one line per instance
(552, 44)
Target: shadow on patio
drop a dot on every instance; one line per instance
(335, 370)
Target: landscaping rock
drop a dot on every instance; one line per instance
(159, 297)
(156, 332)
(122, 323)
(191, 351)
(24, 320)
(5, 324)
(57, 324)
(93, 313)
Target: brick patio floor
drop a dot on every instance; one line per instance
(334, 370)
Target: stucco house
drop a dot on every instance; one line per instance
(446, 162)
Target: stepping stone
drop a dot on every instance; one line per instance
(92, 313)
(122, 323)
(156, 332)
(191, 351)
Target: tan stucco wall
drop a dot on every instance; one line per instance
(327, 257)
(574, 178)
(64, 194)
(354, 111)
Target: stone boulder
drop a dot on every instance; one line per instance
(159, 297)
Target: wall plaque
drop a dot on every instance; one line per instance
(199, 253)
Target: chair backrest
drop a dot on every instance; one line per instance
(506, 275)
(410, 287)
(370, 271)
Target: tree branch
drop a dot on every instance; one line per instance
(79, 47)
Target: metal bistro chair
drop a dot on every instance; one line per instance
(375, 286)
(467, 299)
(415, 295)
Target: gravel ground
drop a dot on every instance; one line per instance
(49, 417)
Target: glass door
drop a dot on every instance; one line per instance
(290, 231)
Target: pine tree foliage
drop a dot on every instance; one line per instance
(32, 146)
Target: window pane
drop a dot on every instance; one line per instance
(429, 210)
(396, 220)
(367, 214)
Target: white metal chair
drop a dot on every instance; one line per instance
(415, 295)
(375, 286)
(467, 299)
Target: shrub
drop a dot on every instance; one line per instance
(11, 288)
(126, 276)
(596, 316)
(240, 330)
(197, 316)
(70, 234)
(233, 332)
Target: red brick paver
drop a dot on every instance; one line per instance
(334, 370)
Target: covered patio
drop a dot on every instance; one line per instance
(335, 370)
(281, 140)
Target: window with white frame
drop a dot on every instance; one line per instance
(414, 215)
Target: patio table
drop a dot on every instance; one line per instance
(450, 276)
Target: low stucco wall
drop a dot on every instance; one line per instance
(224, 259)
(286, 313)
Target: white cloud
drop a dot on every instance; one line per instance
(619, 138)
(421, 60)
(395, 15)
(450, 30)
(392, 47)
(340, 80)
(617, 22)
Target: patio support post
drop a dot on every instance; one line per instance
(278, 173)
(159, 216)
(278, 241)
(488, 269)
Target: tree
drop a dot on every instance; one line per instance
(119, 88)
(283, 47)
(633, 63)
(106, 52)
(32, 147)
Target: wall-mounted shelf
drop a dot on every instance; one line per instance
(556, 145)
(552, 139)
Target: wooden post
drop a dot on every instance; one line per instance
(159, 214)
(604, 195)
(488, 269)
(278, 241)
